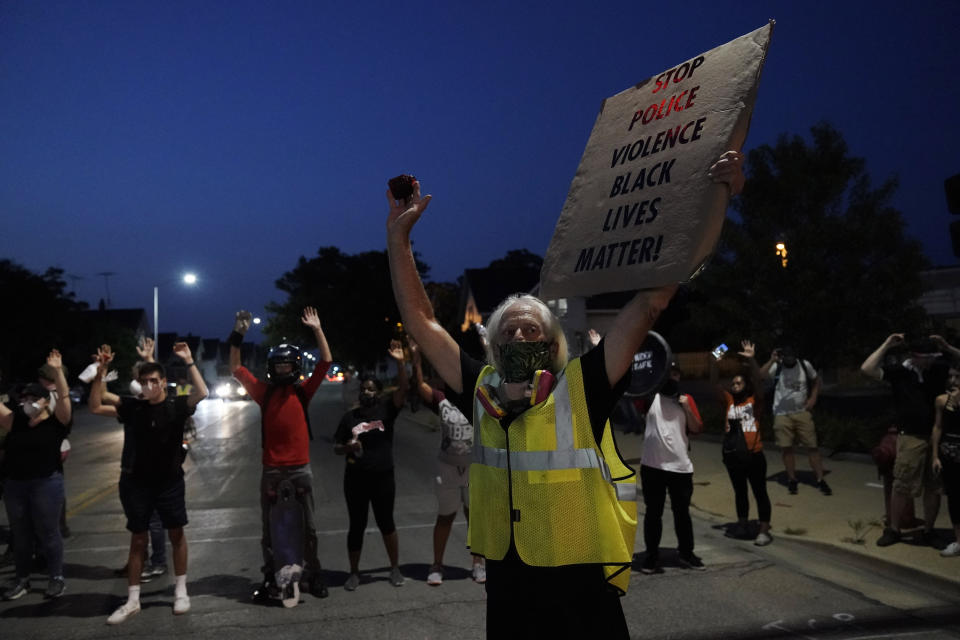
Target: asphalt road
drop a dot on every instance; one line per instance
(788, 589)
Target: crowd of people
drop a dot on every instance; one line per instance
(527, 451)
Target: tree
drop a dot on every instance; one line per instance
(42, 315)
(852, 275)
(352, 294)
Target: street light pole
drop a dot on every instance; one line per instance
(188, 278)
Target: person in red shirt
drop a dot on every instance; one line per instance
(285, 432)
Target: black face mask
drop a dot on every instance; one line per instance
(670, 388)
(740, 396)
(367, 400)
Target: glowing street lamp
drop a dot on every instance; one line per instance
(188, 278)
(782, 253)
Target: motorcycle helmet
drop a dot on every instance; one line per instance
(284, 353)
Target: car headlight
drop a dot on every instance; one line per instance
(224, 390)
(241, 391)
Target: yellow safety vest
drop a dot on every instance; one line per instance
(572, 502)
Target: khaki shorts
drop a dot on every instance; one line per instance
(912, 472)
(453, 488)
(795, 429)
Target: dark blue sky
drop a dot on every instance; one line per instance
(229, 138)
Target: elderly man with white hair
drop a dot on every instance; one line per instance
(553, 506)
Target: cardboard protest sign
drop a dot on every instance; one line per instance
(641, 211)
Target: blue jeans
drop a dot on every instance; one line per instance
(33, 509)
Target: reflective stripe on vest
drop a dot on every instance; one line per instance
(564, 457)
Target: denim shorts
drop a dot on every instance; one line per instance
(139, 503)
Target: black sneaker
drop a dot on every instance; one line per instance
(792, 487)
(889, 537)
(691, 561)
(317, 588)
(266, 592)
(824, 488)
(651, 565)
(55, 588)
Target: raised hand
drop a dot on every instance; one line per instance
(242, 323)
(396, 350)
(939, 341)
(748, 350)
(145, 351)
(729, 169)
(310, 318)
(104, 356)
(894, 339)
(183, 351)
(55, 360)
(593, 337)
(405, 213)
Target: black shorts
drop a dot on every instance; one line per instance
(139, 503)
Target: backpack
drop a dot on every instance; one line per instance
(304, 402)
(806, 375)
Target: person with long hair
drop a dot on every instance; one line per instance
(743, 447)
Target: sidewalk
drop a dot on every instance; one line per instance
(809, 515)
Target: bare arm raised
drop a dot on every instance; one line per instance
(415, 308)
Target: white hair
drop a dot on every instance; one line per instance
(552, 330)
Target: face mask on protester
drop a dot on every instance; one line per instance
(520, 360)
(670, 388)
(32, 409)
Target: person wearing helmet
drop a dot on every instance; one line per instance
(285, 433)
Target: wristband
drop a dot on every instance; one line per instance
(235, 339)
(192, 364)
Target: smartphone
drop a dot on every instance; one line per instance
(401, 187)
(719, 351)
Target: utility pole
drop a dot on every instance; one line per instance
(106, 281)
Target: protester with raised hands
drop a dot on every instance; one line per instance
(154, 480)
(33, 489)
(554, 505)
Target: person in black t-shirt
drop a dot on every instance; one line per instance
(155, 479)
(527, 349)
(915, 383)
(33, 492)
(365, 437)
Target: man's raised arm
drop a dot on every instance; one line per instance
(872, 366)
(240, 326)
(415, 308)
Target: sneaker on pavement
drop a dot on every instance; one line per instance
(266, 592)
(353, 581)
(691, 561)
(435, 577)
(739, 531)
(318, 588)
(763, 539)
(181, 604)
(792, 487)
(291, 594)
(951, 551)
(396, 578)
(55, 588)
(889, 537)
(651, 565)
(824, 488)
(479, 573)
(17, 588)
(123, 612)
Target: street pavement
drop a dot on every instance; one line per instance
(811, 582)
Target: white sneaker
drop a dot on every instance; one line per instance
(125, 611)
(181, 604)
(952, 550)
(763, 539)
(396, 578)
(291, 595)
(479, 573)
(435, 577)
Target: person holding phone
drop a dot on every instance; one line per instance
(945, 452)
(742, 403)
